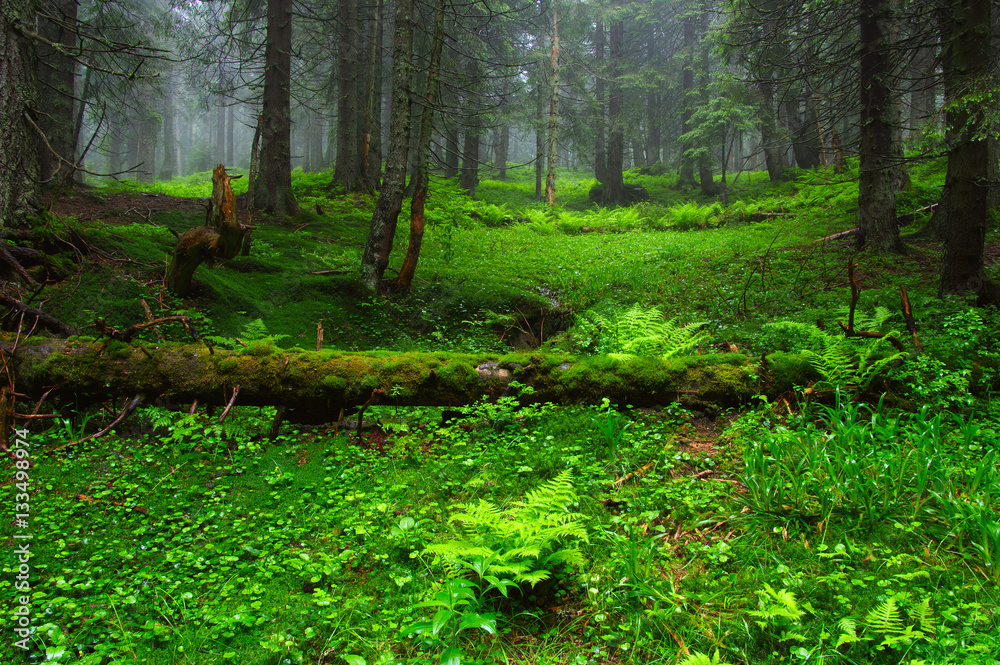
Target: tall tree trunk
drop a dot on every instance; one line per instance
(19, 168)
(116, 148)
(968, 160)
(687, 101)
(316, 143)
(539, 140)
(371, 120)
(924, 88)
(383, 225)
(274, 188)
(553, 133)
(503, 148)
(169, 167)
(422, 171)
(769, 139)
(220, 131)
(614, 185)
(705, 179)
(654, 112)
(252, 180)
(230, 132)
(600, 152)
(803, 134)
(56, 75)
(469, 177)
(451, 150)
(149, 132)
(347, 172)
(877, 188)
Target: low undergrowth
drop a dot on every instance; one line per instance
(850, 520)
(548, 534)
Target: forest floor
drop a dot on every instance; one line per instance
(849, 521)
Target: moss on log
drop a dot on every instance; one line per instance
(316, 385)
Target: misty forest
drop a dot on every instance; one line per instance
(548, 332)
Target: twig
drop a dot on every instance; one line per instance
(225, 412)
(126, 412)
(911, 324)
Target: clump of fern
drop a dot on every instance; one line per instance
(524, 543)
(642, 331)
(846, 365)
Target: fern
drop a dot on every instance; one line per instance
(849, 632)
(525, 543)
(698, 658)
(921, 613)
(645, 332)
(885, 618)
(777, 605)
(843, 364)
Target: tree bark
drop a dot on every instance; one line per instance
(273, 191)
(347, 171)
(600, 154)
(56, 75)
(19, 168)
(503, 148)
(371, 119)
(319, 384)
(614, 185)
(220, 238)
(878, 228)
(962, 266)
(383, 225)
(469, 177)
(769, 138)
(553, 133)
(686, 178)
(422, 175)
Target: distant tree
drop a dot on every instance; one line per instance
(273, 189)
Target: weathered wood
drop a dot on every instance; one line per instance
(222, 236)
(315, 386)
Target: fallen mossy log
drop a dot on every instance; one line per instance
(315, 385)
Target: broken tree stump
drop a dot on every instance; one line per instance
(222, 236)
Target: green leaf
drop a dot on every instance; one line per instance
(451, 656)
(487, 622)
(440, 620)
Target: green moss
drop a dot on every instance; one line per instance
(787, 371)
(226, 364)
(261, 348)
(334, 384)
(117, 350)
(458, 377)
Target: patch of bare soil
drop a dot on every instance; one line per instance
(86, 206)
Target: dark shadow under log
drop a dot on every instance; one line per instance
(222, 236)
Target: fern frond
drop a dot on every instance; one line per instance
(922, 614)
(698, 658)
(885, 617)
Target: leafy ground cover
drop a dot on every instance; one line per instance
(850, 521)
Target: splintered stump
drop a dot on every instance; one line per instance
(221, 237)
